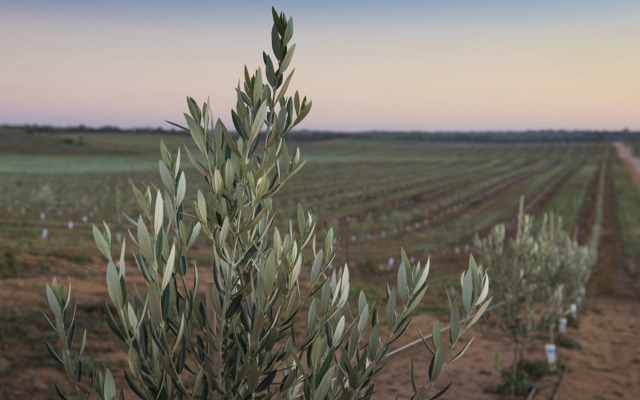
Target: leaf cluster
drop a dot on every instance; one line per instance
(239, 337)
(537, 273)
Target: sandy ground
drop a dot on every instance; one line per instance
(608, 366)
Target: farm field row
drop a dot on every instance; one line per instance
(428, 213)
(378, 195)
(628, 204)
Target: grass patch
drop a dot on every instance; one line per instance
(9, 265)
(75, 255)
(628, 198)
(573, 322)
(567, 342)
(527, 374)
(47, 164)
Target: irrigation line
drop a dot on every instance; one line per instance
(556, 393)
(533, 392)
(446, 328)
(565, 372)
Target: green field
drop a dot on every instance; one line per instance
(628, 204)
(378, 193)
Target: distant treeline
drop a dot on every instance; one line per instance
(552, 136)
(559, 136)
(529, 136)
(29, 128)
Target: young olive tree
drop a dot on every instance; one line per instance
(565, 268)
(536, 274)
(256, 332)
(515, 275)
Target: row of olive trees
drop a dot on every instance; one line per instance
(565, 268)
(263, 328)
(538, 273)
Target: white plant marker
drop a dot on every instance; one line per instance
(582, 295)
(85, 219)
(118, 236)
(391, 262)
(353, 238)
(562, 325)
(70, 224)
(43, 216)
(45, 233)
(574, 310)
(579, 301)
(550, 350)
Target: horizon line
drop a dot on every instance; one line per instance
(81, 126)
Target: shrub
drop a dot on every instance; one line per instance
(241, 337)
(565, 267)
(513, 268)
(536, 274)
(9, 267)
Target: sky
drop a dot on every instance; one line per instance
(367, 65)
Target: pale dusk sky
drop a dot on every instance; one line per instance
(367, 65)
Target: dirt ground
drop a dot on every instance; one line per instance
(606, 367)
(608, 364)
